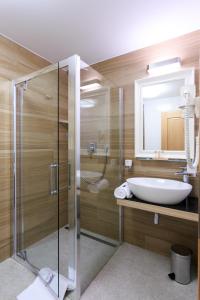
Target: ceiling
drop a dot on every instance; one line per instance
(95, 29)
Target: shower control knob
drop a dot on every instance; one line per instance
(92, 147)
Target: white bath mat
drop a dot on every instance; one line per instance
(38, 290)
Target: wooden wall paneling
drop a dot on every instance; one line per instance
(63, 175)
(16, 61)
(39, 149)
(123, 71)
(39, 146)
(5, 169)
(63, 148)
(5, 205)
(140, 230)
(38, 207)
(99, 213)
(41, 130)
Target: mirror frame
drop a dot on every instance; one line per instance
(189, 78)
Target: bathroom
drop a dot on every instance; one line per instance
(74, 128)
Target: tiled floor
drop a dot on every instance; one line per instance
(14, 278)
(131, 274)
(137, 274)
(93, 256)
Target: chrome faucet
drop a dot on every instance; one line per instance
(92, 148)
(184, 173)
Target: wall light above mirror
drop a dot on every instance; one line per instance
(159, 118)
(165, 66)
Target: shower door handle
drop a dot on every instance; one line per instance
(53, 179)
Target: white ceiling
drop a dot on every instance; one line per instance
(95, 29)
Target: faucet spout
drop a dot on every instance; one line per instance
(186, 178)
(184, 173)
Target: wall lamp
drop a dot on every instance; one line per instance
(165, 66)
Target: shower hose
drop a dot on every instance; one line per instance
(103, 171)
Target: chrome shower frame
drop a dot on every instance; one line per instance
(73, 65)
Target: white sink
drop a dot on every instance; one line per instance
(160, 191)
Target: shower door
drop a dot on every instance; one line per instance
(101, 168)
(52, 156)
(37, 172)
(45, 177)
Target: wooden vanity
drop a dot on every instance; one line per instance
(177, 211)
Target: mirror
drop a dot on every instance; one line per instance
(159, 118)
(163, 119)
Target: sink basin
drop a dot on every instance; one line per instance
(160, 191)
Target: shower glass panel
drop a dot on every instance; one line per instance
(101, 162)
(45, 224)
(37, 171)
(68, 161)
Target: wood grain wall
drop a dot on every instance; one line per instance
(40, 141)
(38, 149)
(15, 61)
(123, 71)
(5, 171)
(99, 213)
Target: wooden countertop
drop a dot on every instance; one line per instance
(163, 210)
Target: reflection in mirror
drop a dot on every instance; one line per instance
(159, 116)
(163, 118)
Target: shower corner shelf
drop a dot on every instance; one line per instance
(63, 122)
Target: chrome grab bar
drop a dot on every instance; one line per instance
(53, 179)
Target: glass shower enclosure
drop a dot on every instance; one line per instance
(67, 137)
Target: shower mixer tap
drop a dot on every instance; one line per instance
(92, 148)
